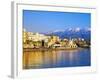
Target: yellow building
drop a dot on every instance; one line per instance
(71, 44)
(30, 36)
(37, 37)
(25, 36)
(53, 40)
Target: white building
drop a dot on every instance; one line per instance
(71, 44)
(37, 37)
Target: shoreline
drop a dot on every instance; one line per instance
(46, 49)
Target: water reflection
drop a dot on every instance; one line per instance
(56, 58)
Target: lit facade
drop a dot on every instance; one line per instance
(25, 36)
(71, 44)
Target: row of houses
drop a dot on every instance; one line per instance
(37, 40)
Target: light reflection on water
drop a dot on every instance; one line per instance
(56, 58)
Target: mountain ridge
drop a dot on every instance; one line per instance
(72, 33)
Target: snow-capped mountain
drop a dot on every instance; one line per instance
(73, 33)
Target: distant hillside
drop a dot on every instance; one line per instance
(72, 33)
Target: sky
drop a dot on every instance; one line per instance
(46, 21)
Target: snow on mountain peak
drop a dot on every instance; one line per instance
(77, 29)
(59, 31)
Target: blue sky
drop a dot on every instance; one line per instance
(46, 21)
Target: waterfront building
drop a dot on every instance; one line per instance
(37, 40)
(71, 44)
(30, 36)
(25, 36)
(57, 45)
(53, 40)
(32, 40)
(37, 37)
(64, 42)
